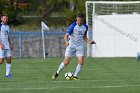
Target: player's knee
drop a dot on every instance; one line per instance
(1, 62)
(66, 63)
(80, 63)
(9, 62)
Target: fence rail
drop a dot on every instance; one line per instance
(29, 44)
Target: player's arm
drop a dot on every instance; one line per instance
(66, 39)
(88, 41)
(9, 40)
(1, 44)
(69, 31)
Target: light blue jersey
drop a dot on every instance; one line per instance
(76, 33)
(4, 32)
(76, 41)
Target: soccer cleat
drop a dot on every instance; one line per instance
(75, 78)
(9, 76)
(55, 76)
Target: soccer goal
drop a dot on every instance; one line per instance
(115, 26)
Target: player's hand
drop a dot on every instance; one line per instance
(92, 42)
(2, 46)
(11, 47)
(67, 44)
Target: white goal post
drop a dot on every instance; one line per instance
(114, 25)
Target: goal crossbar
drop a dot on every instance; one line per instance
(113, 2)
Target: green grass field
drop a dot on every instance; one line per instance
(99, 75)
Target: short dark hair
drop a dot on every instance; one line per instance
(2, 15)
(81, 15)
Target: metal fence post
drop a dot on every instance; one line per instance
(20, 45)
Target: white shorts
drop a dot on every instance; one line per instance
(5, 53)
(71, 50)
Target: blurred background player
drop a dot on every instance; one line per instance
(75, 36)
(5, 45)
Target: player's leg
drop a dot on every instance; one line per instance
(61, 66)
(1, 60)
(8, 64)
(80, 56)
(68, 54)
(79, 67)
(1, 56)
(8, 67)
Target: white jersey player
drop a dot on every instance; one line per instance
(5, 45)
(74, 39)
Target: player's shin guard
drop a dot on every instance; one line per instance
(78, 69)
(8, 68)
(61, 66)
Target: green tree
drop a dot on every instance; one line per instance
(67, 8)
(8, 8)
(46, 8)
(76, 6)
(1, 7)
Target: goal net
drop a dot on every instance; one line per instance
(115, 28)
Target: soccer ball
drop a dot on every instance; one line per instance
(68, 76)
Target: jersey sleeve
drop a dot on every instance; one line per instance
(0, 31)
(70, 28)
(0, 26)
(8, 29)
(86, 29)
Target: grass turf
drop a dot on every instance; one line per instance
(98, 75)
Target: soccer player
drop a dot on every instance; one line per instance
(74, 39)
(5, 45)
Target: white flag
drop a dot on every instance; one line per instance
(44, 26)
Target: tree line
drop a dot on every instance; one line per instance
(45, 9)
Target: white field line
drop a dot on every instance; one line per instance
(105, 70)
(93, 81)
(59, 81)
(69, 87)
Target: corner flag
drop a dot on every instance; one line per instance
(43, 27)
